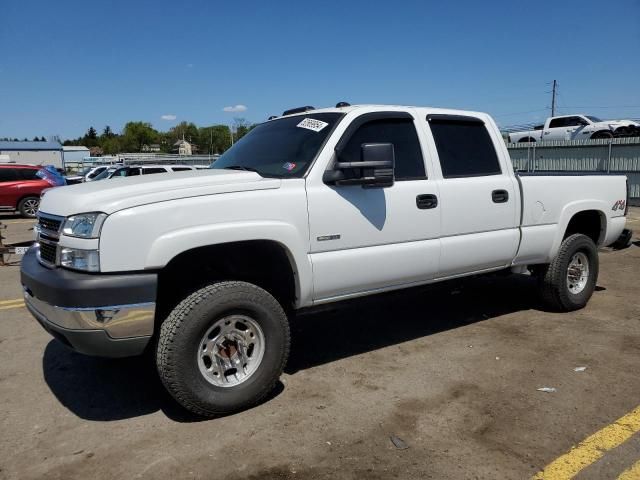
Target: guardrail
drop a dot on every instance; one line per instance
(615, 155)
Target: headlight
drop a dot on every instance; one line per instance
(84, 225)
(86, 260)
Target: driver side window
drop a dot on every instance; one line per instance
(402, 134)
(575, 122)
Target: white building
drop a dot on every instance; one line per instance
(182, 147)
(33, 153)
(73, 154)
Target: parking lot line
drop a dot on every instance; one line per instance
(632, 473)
(15, 300)
(12, 306)
(7, 304)
(593, 448)
(11, 222)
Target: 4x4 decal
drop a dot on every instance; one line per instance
(619, 205)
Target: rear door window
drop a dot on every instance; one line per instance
(149, 171)
(8, 175)
(27, 173)
(465, 148)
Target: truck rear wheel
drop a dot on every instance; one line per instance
(223, 348)
(568, 282)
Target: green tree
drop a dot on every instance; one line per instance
(214, 139)
(240, 128)
(91, 134)
(186, 130)
(107, 133)
(111, 145)
(137, 134)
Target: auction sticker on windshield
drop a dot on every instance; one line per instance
(312, 124)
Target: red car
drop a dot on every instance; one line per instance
(21, 185)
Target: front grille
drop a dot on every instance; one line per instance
(48, 253)
(48, 223)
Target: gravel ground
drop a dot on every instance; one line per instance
(451, 370)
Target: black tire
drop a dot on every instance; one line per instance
(554, 287)
(602, 134)
(527, 140)
(183, 330)
(28, 206)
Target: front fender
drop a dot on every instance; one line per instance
(171, 244)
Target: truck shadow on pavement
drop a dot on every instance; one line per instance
(114, 389)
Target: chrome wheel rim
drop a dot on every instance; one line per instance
(578, 273)
(31, 207)
(231, 350)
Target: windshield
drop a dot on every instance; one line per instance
(594, 119)
(282, 148)
(105, 174)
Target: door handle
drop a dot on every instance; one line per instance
(424, 202)
(500, 196)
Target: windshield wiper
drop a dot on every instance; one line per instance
(242, 167)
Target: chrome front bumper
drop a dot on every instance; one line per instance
(118, 321)
(106, 315)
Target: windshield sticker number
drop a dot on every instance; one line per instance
(311, 124)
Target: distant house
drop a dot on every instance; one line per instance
(96, 152)
(153, 148)
(33, 153)
(182, 147)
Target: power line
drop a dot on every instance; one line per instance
(610, 106)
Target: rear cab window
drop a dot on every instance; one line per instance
(464, 146)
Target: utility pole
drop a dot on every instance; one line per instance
(553, 98)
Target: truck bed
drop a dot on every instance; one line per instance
(549, 201)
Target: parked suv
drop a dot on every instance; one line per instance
(133, 170)
(21, 186)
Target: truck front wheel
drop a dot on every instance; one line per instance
(602, 134)
(568, 282)
(223, 348)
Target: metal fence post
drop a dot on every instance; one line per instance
(609, 157)
(534, 157)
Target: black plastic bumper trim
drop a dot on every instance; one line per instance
(65, 288)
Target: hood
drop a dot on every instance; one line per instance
(115, 194)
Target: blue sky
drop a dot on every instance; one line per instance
(67, 65)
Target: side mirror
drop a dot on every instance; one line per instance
(375, 170)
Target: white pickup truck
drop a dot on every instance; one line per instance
(577, 127)
(204, 268)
